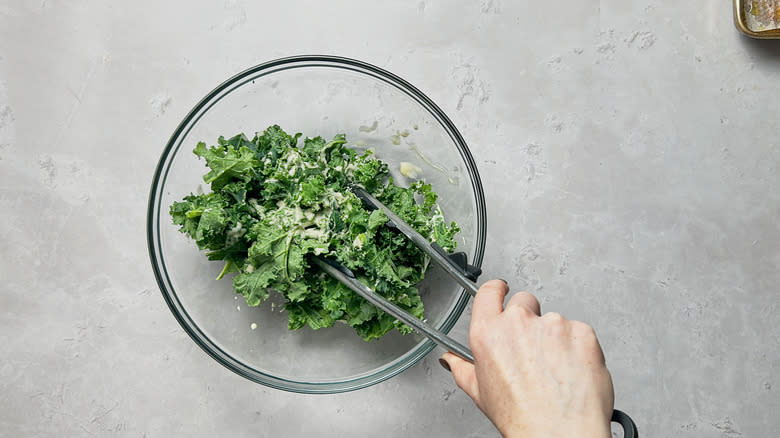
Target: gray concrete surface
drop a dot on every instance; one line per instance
(629, 151)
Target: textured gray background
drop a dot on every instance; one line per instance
(629, 152)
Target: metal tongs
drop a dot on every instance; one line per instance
(455, 265)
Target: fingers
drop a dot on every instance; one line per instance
(586, 340)
(489, 301)
(464, 374)
(526, 300)
(575, 334)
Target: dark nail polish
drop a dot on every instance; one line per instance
(445, 365)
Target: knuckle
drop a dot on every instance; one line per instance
(494, 286)
(585, 337)
(479, 345)
(524, 299)
(554, 318)
(582, 330)
(515, 310)
(554, 324)
(528, 296)
(498, 284)
(519, 310)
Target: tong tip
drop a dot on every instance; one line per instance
(363, 195)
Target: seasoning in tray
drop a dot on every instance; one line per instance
(762, 15)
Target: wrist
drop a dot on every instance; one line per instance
(591, 428)
(559, 429)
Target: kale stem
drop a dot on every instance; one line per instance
(224, 270)
(287, 256)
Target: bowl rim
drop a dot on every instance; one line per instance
(400, 364)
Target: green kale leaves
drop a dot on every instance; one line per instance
(274, 201)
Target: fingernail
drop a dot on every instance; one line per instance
(505, 282)
(445, 365)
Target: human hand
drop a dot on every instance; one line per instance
(533, 376)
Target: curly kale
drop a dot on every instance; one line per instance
(274, 200)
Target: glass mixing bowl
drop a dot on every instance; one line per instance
(314, 95)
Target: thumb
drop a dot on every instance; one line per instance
(464, 374)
